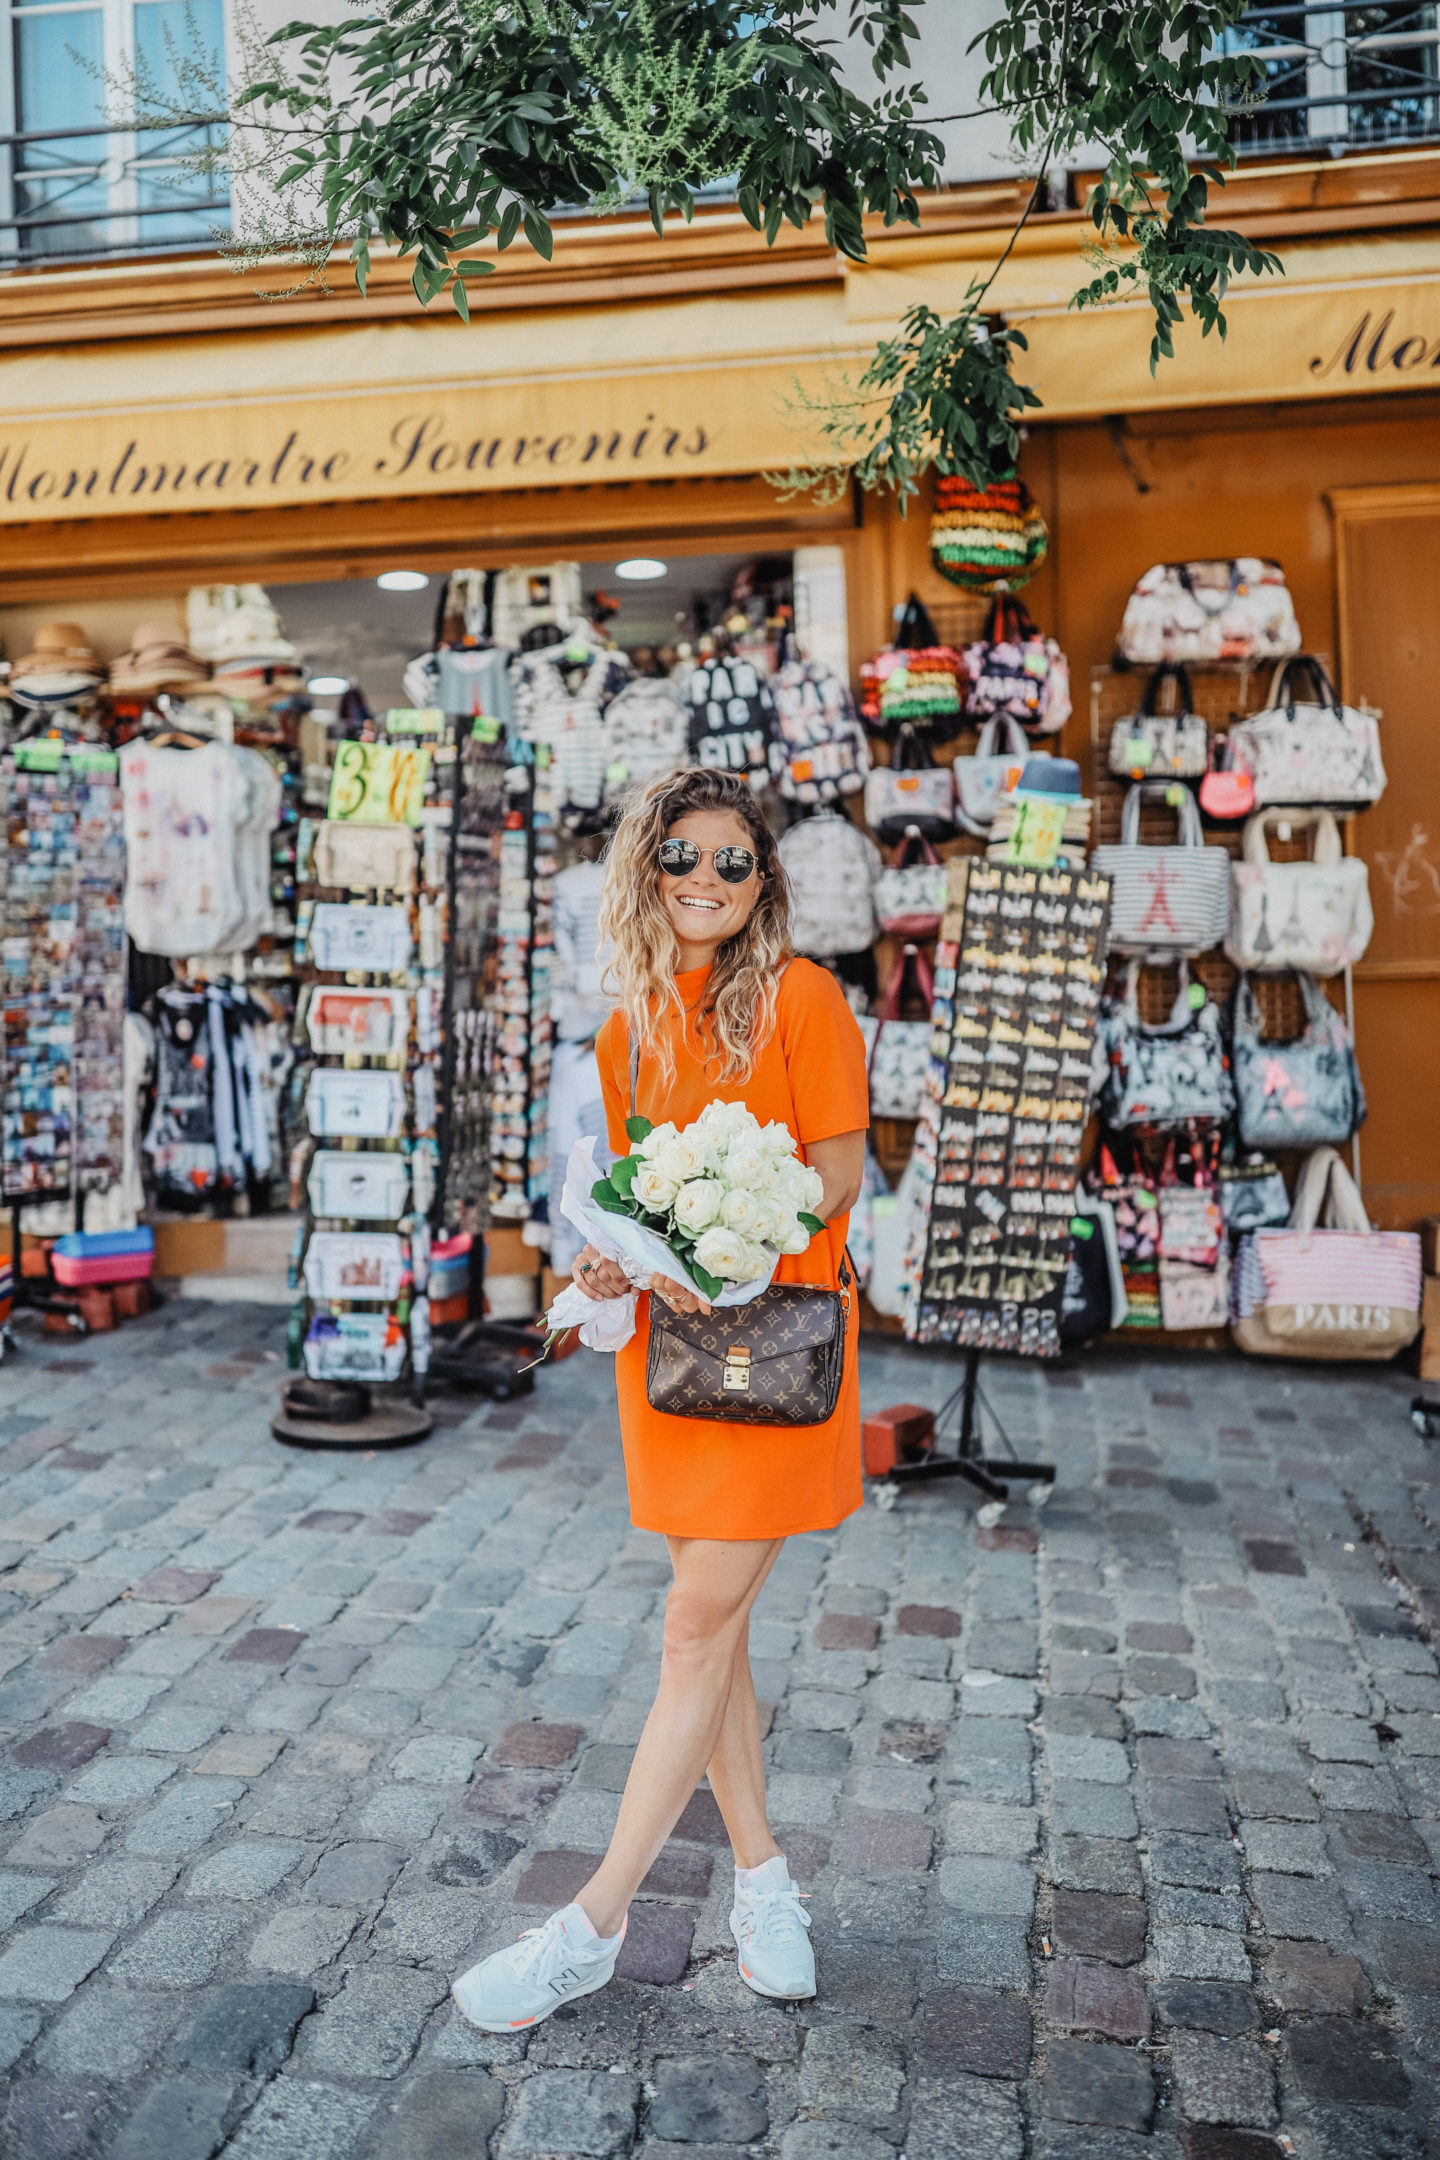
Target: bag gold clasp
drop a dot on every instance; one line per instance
(737, 1369)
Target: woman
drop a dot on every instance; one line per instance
(698, 912)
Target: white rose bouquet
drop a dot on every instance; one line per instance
(726, 1194)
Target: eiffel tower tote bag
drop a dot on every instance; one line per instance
(1165, 899)
(1299, 1094)
(1312, 915)
(1310, 751)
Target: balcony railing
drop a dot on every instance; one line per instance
(76, 194)
(1340, 78)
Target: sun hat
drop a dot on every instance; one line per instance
(158, 659)
(230, 623)
(62, 667)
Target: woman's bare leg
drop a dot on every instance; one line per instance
(736, 1772)
(706, 1620)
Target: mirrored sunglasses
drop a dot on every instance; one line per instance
(677, 858)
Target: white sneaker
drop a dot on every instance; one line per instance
(771, 1930)
(546, 1967)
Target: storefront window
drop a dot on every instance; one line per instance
(77, 188)
(1340, 76)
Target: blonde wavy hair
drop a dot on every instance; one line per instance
(738, 1014)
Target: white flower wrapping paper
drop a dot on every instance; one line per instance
(610, 1323)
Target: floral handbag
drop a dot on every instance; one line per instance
(1016, 673)
(1238, 609)
(900, 1049)
(1300, 1094)
(910, 897)
(1172, 1073)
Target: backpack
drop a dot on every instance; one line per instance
(732, 720)
(1015, 673)
(824, 748)
(832, 868)
(646, 734)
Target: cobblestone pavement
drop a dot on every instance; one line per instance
(1122, 1821)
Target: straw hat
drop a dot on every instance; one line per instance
(62, 667)
(158, 659)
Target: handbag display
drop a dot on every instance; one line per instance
(375, 940)
(1165, 899)
(1151, 745)
(777, 1361)
(356, 1187)
(924, 689)
(910, 790)
(363, 858)
(1300, 1094)
(985, 777)
(1314, 916)
(1227, 790)
(362, 1105)
(823, 744)
(1346, 1291)
(984, 537)
(1315, 751)
(899, 1050)
(1172, 1073)
(1228, 610)
(913, 631)
(1194, 1296)
(910, 897)
(832, 869)
(1016, 673)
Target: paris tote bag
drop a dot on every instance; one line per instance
(1310, 915)
(1313, 750)
(1300, 1094)
(1151, 745)
(1165, 899)
(982, 780)
(1345, 1291)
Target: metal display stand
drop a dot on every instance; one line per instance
(991, 1475)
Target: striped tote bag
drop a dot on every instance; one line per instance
(1345, 1291)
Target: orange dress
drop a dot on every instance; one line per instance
(700, 1477)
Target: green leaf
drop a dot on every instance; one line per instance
(622, 1172)
(638, 1128)
(812, 1223)
(709, 1285)
(606, 1197)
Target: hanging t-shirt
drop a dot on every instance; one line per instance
(579, 1000)
(562, 709)
(182, 807)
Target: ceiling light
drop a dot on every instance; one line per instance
(640, 568)
(402, 581)
(328, 685)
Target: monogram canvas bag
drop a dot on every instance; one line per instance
(1315, 751)
(1346, 1291)
(1151, 745)
(1300, 1094)
(1228, 610)
(1313, 915)
(1165, 899)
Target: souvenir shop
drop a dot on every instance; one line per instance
(1105, 796)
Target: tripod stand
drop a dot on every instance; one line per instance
(992, 1475)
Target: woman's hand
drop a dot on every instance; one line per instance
(598, 1277)
(678, 1296)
